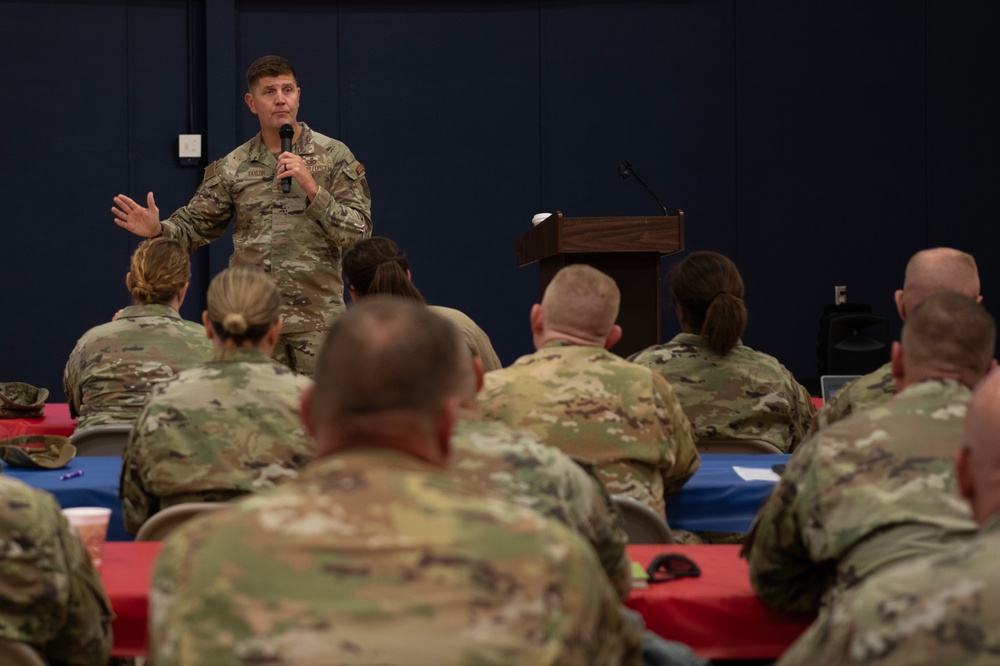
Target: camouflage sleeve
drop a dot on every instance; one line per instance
(72, 380)
(137, 504)
(678, 435)
(52, 596)
(804, 411)
(837, 408)
(595, 630)
(85, 638)
(344, 209)
(782, 570)
(206, 216)
(607, 534)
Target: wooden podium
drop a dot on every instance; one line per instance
(626, 248)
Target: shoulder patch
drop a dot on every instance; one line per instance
(210, 170)
(360, 169)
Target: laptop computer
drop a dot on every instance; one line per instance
(830, 384)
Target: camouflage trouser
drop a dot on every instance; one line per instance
(298, 351)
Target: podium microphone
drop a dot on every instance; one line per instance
(286, 133)
(625, 170)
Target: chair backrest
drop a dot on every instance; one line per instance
(166, 521)
(642, 524)
(728, 445)
(101, 440)
(16, 653)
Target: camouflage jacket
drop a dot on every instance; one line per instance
(53, 597)
(870, 491)
(298, 241)
(930, 611)
(374, 557)
(620, 417)
(868, 391)
(492, 455)
(114, 366)
(223, 429)
(745, 394)
(475, 337)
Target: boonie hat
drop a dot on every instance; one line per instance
(37, 451)
(19, 400)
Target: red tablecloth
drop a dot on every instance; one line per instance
(126, 570)
(56, 421)
(717, 614)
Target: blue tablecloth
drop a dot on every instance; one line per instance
(717, 499)
(97, 487)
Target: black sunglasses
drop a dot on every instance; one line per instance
(669, 566)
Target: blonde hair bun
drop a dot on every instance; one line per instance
(236, 324)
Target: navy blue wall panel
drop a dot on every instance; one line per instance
(815, 143)
(830, 161)
(651, 83)
(442, 107)
(963, 137)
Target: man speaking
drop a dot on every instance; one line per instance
(297, 236)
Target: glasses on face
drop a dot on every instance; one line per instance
(670, 566)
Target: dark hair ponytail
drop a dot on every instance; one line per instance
(708, 287)
(377, 266)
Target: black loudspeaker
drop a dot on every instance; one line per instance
(852, 340)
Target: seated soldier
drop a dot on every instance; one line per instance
(878, 487)
(52, 596)
(227, 427)
(933, 610)
(114, 366)
(728, 390)
(576, 395)
(376, 554)
(928, 272)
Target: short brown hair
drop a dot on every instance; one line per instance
(583, 300)
(386, 353)
(269, 65)
(159, 269)
(950, 332)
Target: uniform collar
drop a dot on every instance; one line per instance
(151, 310)
(304, 146)
(239, 355)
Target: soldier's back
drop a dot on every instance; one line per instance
(745, 394)
(493, 456)
(863, 393)
(114, 366)
(941, 609)
(375, 558)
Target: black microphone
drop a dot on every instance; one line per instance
(286, 133)
(625, 170)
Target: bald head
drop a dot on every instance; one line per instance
(384, 360)
(979, 462)
(935, 270)
(581, 302)
(950, 336)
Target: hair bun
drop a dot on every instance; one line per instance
(235, 324)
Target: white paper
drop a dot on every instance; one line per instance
(756, 474)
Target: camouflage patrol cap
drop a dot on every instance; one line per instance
(37, 451)
(19, 400)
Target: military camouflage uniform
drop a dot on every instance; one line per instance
(298, 241)
(217, 431)
(864, 494)
(595, 406)
(374, 557)
(115, 365)
(475, 337)
(52, 596)
(933, 610)
(493, 456)
(745, 394)
(863, 393)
